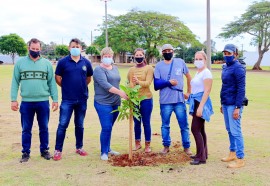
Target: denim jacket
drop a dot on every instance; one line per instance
(207, 109)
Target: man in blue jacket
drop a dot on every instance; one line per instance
(232, 96)
(168, 78)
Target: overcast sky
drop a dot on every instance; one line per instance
(61, 20)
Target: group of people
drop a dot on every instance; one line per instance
(34, 76)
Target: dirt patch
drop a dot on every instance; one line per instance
(175, 156)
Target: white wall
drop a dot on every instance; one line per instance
(251, 58)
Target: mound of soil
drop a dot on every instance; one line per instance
(175, 156)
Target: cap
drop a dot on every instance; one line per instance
(167, 47)
(230, 48)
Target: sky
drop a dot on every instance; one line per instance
(60, 20)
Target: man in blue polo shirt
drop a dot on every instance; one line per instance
(168, 78)
(73, 74)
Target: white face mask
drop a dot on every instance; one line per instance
(107, 60)
(199, 63)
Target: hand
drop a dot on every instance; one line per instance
(14, 106)
(54, 106)
(236, 113)
(199, 112)
(173, 82)
(221, 111)
(135, 80)
(186, 95)
(123, 95)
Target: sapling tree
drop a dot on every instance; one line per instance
(130, 108)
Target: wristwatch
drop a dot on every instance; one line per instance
(236, 107)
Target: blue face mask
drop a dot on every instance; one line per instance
(75, 51)
(228, 59)
(107, 60)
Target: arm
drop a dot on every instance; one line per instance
(88, 80)
(58, 80)
(207, 89)
(160, 84)
(121, 93)
(53, 88)
(15, 87)
(148, 79)
(188, 77)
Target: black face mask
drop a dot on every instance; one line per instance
(34, 54)
(139, 59)
(168, 56)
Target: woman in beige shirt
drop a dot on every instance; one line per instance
(142, 74)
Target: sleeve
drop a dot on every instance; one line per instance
(59, 68)
(52, 84)
(207, 75)
(15, 82)
(240, 75)
(101, 79)
(185, 68)
(89, 68)
(158, 82)
(148, 78)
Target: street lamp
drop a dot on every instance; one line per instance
(106, 29)
(208, 35)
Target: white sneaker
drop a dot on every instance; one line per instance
(104, 157)
(112, 152)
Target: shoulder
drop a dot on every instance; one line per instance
(159, 64)
(86, 60)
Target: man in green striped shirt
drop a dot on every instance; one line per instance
(34, 76)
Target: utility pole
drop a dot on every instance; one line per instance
(106, 29)
(208, 35)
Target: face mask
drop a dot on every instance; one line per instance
(139, 59)
(228, 59)
(107, 61)
(75, 51)
(34, 54)
(168, 56)
(199, 63)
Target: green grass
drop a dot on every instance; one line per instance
(75, 170)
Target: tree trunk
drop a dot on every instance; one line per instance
(130, 133)
(13, 58)
(258, 63)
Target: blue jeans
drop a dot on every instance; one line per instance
(180, 111)
(66, 109)
(146, 108)
(234, 130)
(107, 119)
(28, 111)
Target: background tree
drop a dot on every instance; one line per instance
(48, 50)
(147, 30)
(61, 50)
(92, 50)
(255, 22)
(12, 45)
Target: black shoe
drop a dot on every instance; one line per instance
(193, 156)
(46, 155)
(197, 162)
(25, 157)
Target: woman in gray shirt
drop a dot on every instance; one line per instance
(107, 98)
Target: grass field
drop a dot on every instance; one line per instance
(90, 170)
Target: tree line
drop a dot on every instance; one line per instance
(149, 30)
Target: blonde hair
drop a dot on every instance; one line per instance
(106, 50)
(203, 54)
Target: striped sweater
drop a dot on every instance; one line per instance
(35, 80)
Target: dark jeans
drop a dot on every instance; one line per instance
(28, 111)
(107, 119)
(198, 131)
(66, 109)
(146, 108)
